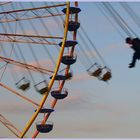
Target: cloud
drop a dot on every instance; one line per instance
(102, 106)
(81, 77)
(91, 53)
(16, 107)
(76, 100)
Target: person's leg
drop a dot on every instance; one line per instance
(132, 64)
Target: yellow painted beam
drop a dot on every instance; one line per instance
(54, 75)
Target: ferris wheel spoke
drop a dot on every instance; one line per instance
(10, 126)
(33, 36)
(29, 42)
(31, 9)
(20, 38)
(29, 18)
(30, 13)
(18, 94)
(28, 66)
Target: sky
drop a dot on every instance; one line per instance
(93, 108)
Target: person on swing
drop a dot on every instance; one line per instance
(135, 45)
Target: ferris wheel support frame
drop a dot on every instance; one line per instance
(63, 82)
(33, 117)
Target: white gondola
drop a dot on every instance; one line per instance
(23, 84)
(106, 75)
(95, 70)
(41, 87)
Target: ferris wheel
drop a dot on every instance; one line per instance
(37, 49)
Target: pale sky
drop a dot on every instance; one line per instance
(93, 109)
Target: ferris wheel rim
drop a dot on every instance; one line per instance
(44, 98)
(66, 72)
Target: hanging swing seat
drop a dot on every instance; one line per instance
(68, 59)
(23, 84)
(107, 76)
(69, 43)
(57, 94)
(45, 110)
(96, 70)
(96, 73)
(73, 25)
(72, 10)
(41, 87)
(44, 128)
